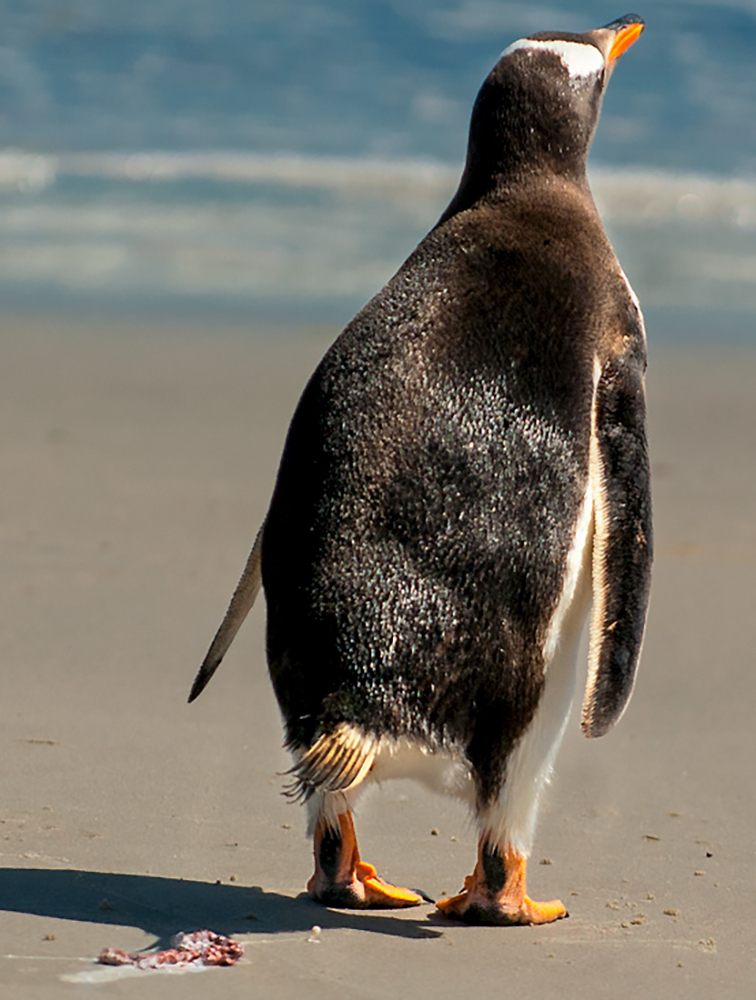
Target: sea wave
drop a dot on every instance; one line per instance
(33, 171)
(631, 196)
(319, 236)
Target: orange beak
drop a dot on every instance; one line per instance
(624, 39)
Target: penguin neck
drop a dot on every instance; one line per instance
(522, 135)
(491, 187)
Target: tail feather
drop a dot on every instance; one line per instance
(334, 763)
(241, 603)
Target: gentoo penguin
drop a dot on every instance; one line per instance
(466, 468)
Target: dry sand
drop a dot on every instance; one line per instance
(136, 466)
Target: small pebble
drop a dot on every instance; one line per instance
(699, 873)
(286, 826)
(49, 937)
(434, 833)
(650, 895)
(672, 913)
(546, 861)
(232, 878)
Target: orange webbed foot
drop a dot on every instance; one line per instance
(365, 890)
(382, 894)
(342, 880)
(495, 893)
(474, 909)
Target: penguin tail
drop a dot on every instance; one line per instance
(241, 603)
(336, 762)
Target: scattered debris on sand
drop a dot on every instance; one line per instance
(197, 948)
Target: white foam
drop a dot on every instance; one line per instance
(580, 59)
(414, 178)
(635, 196)
(342, 235)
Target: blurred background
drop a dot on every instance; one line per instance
(274, 161)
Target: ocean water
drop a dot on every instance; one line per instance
(257, 160)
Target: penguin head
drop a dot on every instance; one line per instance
(538, 108)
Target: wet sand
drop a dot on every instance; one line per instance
(136, 466)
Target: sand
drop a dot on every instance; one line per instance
(136, 466)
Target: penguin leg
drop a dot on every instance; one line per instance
(495, 892)
(342, 879)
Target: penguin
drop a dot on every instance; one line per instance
(465, 482)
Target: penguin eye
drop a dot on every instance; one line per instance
(580, 59)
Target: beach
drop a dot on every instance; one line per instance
(137, 461)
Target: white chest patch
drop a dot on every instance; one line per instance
(580, 59)
(511, 819)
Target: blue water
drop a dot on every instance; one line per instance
(277, 159)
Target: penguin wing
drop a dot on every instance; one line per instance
(241, 603)
(622, 544)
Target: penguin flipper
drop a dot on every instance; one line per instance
(241, 603)
(622, 546)
(336, 762)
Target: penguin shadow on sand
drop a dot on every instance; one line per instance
(166, 906)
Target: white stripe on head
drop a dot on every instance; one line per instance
(578, 58)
